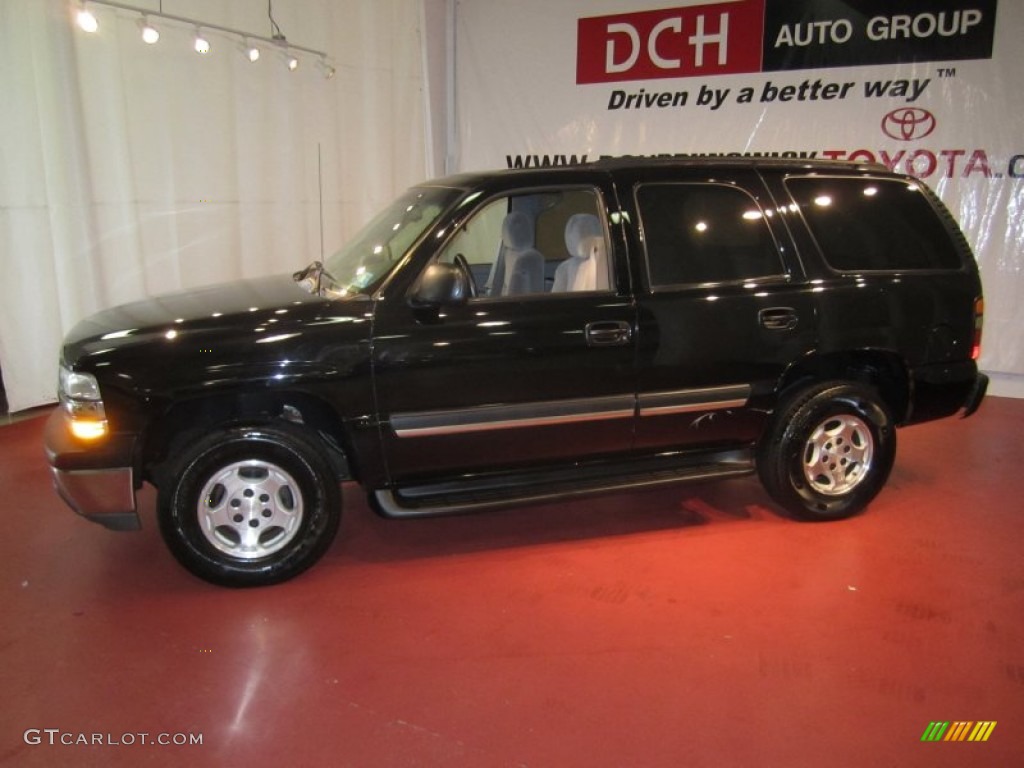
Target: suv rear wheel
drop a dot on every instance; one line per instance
(828, 451)
(250, 506)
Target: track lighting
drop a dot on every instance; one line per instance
(326, 68)
(202, 45)
(150, 34)
(252, 53)
(85, 19)
(292, 53)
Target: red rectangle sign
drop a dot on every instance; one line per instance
(713, 38)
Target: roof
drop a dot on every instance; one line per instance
(472, 179)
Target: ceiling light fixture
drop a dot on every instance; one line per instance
(150, 34)
(202, 45)
(292, 52)
(86, 20)
(326, 68)
(252, 53)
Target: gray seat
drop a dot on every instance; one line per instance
(586, 269)
(524, 264)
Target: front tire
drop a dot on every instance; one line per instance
(828, 451)
(250, 506)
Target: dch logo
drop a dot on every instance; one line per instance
(714, 37)
(908, 123)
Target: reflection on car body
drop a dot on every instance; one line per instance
(499, 338)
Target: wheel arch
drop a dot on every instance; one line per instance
(186, 420)
(883, 370)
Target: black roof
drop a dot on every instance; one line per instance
(471, 179)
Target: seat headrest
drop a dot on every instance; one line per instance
(516, 232)
(591, 247)
(579, 228)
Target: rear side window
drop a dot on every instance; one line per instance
(704, 233)
(865, 224)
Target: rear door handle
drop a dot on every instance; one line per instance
(778, 318)
(608, 333)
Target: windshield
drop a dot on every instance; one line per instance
(365, 261)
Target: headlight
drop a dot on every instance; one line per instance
(80, 397)
(78, 386)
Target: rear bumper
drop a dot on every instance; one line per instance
(976, 395)
(97, 482)
(945, 389)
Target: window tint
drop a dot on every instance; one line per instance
(551, 222)
(864, 224)
(704, 233)
(534, 243)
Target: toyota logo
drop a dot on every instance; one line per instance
(908, 123)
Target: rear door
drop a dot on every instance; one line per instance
(723, 307)
(521, 375)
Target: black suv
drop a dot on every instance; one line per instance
(499, 338)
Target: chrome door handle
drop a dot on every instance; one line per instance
(608, 333)
(778, 318)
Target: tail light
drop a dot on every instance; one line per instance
(979, 321)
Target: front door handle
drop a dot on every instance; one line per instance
(778, 318)
(608, 333)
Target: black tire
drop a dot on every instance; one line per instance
(828, 451)
(250, 506)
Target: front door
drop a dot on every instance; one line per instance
(539, 365)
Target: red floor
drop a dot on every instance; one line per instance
(683, 627)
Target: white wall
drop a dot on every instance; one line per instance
(129, 170)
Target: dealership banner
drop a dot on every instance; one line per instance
(932, 88)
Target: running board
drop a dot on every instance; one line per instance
(459, 497)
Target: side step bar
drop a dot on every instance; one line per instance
(451, 498)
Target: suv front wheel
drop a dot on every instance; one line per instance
(828, 451)
(250, 506)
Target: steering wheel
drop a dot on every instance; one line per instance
(461, 263)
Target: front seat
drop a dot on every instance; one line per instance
(524, 264)
(586, 269)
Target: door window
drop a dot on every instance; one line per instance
(704, 233)
(535, 243)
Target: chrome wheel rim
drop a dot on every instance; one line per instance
(837, 455)
(250, 509)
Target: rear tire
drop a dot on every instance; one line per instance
(828, 451)
(250, 506)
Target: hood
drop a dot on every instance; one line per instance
(251, 330)
(259, 297)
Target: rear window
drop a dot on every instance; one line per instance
(867, 224)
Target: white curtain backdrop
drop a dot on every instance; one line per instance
(129, 170)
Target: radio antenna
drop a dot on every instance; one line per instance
(320, 185)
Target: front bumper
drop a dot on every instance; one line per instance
(97, 482)
(105, 496)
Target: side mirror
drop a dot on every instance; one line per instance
(440, 285)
